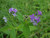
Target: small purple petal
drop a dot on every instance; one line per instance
(10, 10)
(15, 10)
(38, 19)
(14, 14)
(32, 16)
(32, 20)
(39, 12)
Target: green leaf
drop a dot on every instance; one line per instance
(20, 17)
(13, 34)
(26, 31)
(32, 28)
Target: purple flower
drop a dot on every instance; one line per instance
(10, 10)
(15, 10)
(39, 12)
(32, 17)
(37, 19)
(14, 14)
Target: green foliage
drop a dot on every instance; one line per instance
(20, 26)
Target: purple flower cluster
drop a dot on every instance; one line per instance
(13, 10)
(10, 10)
(35, 19)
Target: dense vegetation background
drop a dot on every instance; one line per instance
(20, 27)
